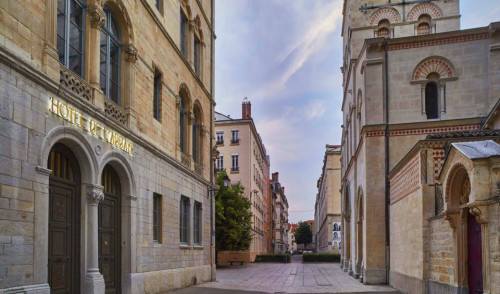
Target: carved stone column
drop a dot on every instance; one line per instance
(422, 97)
(189, 139)
(442, 99)
(50, 56)
(94, 281)
(128, 93)
(97, 19)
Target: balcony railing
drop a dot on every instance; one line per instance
(198, 168)
(235, 141)
(219, 142)
(185, 160)
(235, 169)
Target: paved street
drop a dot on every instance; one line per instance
(295, 277)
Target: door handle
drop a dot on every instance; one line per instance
(106, 243)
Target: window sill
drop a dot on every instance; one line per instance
(235, 171)
(185, 246)
(235, 144)
(198, 247)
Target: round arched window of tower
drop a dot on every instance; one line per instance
(383, 28)
(424, 25)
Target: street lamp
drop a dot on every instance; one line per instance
(226, 180)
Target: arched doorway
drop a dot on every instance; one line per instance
(467, 230)
(64, 221)
(109, 223)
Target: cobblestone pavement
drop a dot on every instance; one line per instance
(294, 277)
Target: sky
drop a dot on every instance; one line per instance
(285, 56)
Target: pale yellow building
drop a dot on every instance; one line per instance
(106, 121)
(243, 155)
(327, 209)
(408, 72)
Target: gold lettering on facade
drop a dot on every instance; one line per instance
(74, 116)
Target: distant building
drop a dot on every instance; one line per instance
(280, 216)
(243, 155)
(292, 245)
(327, 210)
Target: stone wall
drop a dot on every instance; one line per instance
(442, 252)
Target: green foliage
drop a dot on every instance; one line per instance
(303, 234)
(272, 257)
(320, 257)
(233, 218)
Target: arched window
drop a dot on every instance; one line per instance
(182, 122)
(431, 100)
(424, 25)
(196, 137)
(109, 78)
(70, 34)
(383, 28)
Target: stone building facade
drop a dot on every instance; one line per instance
(280, 215)
(327, 209)
(106, 122)
(243, 155)
(409, 71)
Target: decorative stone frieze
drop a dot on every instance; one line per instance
(115, 111)
(95, 194)
(73, 83)
(97, 17)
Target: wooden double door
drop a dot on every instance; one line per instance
(65, 225)
(474, 255)
(110, 231)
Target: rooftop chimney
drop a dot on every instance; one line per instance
(246, 109)
(275, 177)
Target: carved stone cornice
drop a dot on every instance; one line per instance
(95, 194)
(453, 217)
(131, 53)
(97, 17)
(204, 130)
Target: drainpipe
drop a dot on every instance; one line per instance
(387, 186)
(212, 39)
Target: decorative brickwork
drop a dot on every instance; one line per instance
(385, 13)
(406, 181)
(437, 65)
(425, 131)
(375, 133)
(115, 111)
(424, 8)
(438, 156)
(74, 84)
(437, 42)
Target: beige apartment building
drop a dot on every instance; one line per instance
(106, 120)
(280, 216)
(243, 155)
(414, 85)
(327, 209)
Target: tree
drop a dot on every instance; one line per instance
(233, 218)
(303, 234)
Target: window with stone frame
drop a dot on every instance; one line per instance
(183, 33)
(110, 49)
(383, 28)
(159, 5)
(157, 217)
(197, 232)
(235, 161)
(157, 96)
(184, 220)
(220, 162)
(424, 25)
(197, 55)
(220, 137)
(182, 121)
(71, 15)
(431, 100)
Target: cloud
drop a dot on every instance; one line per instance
(305, 46)
(315, 109)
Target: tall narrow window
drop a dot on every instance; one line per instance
(157, 96)
(184, 220)
(431, 101)
(220, 163)
(235, 137)
(157, 217)
(184, 27)
(71, 34)
(182, 123)
(196, 55)
(220, 138)
(196, 131)
(197, 223)
(235, 166)
(158, 4)
(110, 58)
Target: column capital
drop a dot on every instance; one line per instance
(95, 194)
(131, 52)
(97, 17)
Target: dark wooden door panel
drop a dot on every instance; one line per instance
(474, 256)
